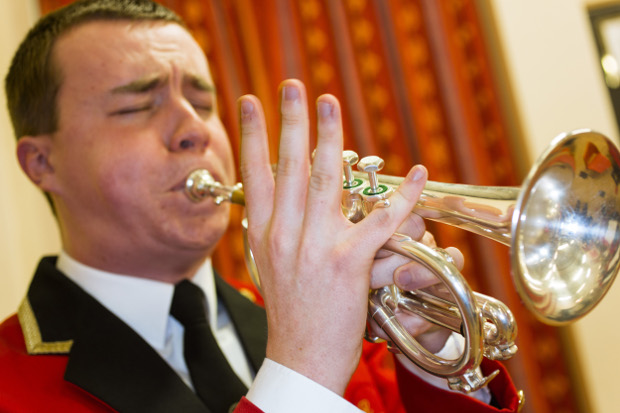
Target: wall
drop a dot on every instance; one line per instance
(553, 84)
(548, 65)
(27, 228)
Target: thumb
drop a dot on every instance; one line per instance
(381, 223)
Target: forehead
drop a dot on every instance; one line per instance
(110, 53)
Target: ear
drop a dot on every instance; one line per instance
(33, 154)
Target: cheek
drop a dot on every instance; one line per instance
(111, 173)
(221, 147)
(126, 177)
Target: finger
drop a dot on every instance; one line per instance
(457, 257)
(413, 226)
(374, 230)
(293, 159)
(325, 186)
(383, 270)
(430, 336)
(429, 240)
(254, 164)
(415, 325)
(413, 276)
(375, 330)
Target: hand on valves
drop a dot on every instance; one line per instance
(316, 266)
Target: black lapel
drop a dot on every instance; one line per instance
(107, 358)
(249, 319)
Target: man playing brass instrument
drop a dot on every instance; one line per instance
(113, 106)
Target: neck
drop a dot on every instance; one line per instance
(162, 267)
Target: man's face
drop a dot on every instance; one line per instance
(137, 113)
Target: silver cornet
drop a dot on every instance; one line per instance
(562, 226)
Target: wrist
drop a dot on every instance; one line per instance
(324, 365)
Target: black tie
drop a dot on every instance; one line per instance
(214, 380)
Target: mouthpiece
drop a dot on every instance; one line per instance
(200, 185)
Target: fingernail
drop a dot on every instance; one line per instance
(290, 93)
(417, 173)
(247, 108)
(404, 278)
(326, 109)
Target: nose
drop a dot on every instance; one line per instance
(191, 132)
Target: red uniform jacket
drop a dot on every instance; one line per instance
(65, 352)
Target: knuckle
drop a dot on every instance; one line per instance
(246, 170)
(277, 244)
(254, 236)
(292, 119)
(409, 197)
(383, 216)
(307, 255)
(320, 181)
(288, 166)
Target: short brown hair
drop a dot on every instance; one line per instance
(32, 82)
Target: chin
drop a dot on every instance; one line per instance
(202, 239)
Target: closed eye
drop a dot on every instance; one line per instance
(202, 108)
(130, 110)
(206, 108)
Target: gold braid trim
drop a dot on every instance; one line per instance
(32, 334)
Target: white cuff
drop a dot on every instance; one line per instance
(278, 389)
(451, 350)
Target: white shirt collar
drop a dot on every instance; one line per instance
(142, 303)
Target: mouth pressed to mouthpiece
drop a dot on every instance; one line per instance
(200, 184)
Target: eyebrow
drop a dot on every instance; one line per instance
(145, 85)
(199, 83)
(139, 86)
